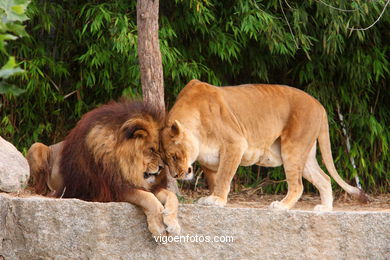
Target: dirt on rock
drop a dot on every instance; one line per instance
(249, 199)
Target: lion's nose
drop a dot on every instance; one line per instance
(189, 170)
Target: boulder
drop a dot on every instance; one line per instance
(14, 170)
(42, 228)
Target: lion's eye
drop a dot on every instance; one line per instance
(153, 150)
(174, 157)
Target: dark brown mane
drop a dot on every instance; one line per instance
(84, 177)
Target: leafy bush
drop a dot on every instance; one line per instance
(12, 14)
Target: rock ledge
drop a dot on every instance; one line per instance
(41, 228)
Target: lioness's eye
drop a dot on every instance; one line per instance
(153, 150)
(174, 157)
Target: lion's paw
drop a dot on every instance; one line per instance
(212, 201)
(322, 208)
(170, 220)
(277, 205)
(157, 230)
(156, 226)
(167, 212)
(173, 228)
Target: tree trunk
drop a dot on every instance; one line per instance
(150, 61)
(149, 54)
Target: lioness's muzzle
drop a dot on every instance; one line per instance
(184, 174)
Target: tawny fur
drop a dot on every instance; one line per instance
(268, 125)
(111, 155)
(44, 168)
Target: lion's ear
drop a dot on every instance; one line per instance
(136, 133)
(135, 128)
(176, 129)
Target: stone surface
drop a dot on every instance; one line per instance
(42, 228)
(14, 170)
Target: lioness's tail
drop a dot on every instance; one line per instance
(326, 152)
(38, 157)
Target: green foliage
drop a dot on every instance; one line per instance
(83, 53)
(12, 14)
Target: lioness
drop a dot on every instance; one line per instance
(111, 155)
(267, 125)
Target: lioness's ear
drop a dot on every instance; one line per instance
(135, 128)
(176, 129)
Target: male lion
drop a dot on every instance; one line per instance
(111, 155)
(267, 125)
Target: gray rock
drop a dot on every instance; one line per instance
(14, 170)
(42, 228)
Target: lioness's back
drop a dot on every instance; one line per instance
(249, 91)
(248, 100)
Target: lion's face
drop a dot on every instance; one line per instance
(133, 147)
(138, 151)
(178, 151)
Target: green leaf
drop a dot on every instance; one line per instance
(10, 63)
(10, 68)
(5, 37)
(6, 73)
(13, 10)
(18, 9)
(6, 88)
(16, 29)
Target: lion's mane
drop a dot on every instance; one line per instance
(92, 160)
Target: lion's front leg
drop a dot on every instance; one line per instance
(151, 206)
(230, 159)
(170, 202)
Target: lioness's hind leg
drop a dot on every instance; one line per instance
(313, 173)
(295, 187)
(296, 142)
(293, 168)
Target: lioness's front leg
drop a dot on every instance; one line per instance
(210, 178)
(230, 159)
(170, 202)
(151, 206)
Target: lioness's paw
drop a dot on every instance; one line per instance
(277, 205)
(212, 201)
(322, 208)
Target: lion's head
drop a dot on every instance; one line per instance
(179, 150)
(137, 150)
(112, 146)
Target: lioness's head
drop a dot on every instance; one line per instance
(179, 150)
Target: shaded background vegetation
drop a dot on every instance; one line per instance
(80, 54)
